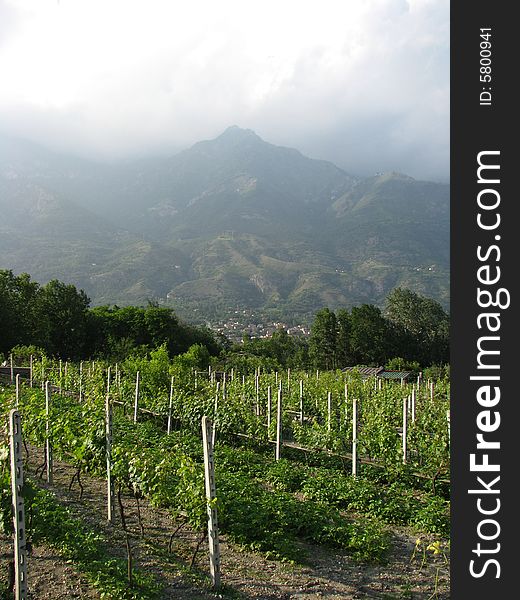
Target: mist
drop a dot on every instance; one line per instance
(362, 83)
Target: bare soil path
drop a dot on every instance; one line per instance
(247, 575)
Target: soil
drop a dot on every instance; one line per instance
(245, 575)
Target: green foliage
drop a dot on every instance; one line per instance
(18, 314)
(263, 504)
(75, 541)
(323, 340)
(423, 323)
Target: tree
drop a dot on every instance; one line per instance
(323, 340)
(63, 320)
(370, 338)
(17, 310)
(422, 319)
(344, 349)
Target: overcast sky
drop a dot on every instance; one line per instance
(363, 83)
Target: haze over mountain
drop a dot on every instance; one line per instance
(230, 222)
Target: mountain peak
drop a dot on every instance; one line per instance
(237, 134)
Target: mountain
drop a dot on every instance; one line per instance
(230, 222)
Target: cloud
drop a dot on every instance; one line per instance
(364, 83)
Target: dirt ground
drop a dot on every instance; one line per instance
(245, 575)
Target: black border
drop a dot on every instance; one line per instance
(476, 128)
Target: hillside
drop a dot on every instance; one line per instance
(230, 222)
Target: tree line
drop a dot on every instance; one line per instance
(57, 318)
(411, 332)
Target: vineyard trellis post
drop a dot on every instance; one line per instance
(405, 427)
(108, 380)
(108, 441)
(48, 445)
(413, 405)
(269, 409)
(136, 398)
(211, 494)
(11, 367)
(329, 411)
(301, 401)
(81, 381)
(20, 550)
(170, 403)
(214, 429)
(17, 390)
(354, 437)
(31, 371)
(346, 404)
(279, 424)
(257, 392)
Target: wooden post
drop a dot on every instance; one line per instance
(20, 551)
(170, 404)
(136, 399)
(413, 405)
(346, 404)
(108, 441)
(354, 437)
(279, 425)
(329, 411)
(118, 381)
(257, 390)
(31, 371)
(432, 387)
(81, 381)
(211, 494)
(48, 446)
(17, 390)
(405, 427)
(108, 380)
(215, 409)
(269, 409)
(11, 367)
(301, 401)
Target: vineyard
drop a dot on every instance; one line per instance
(302, 462)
